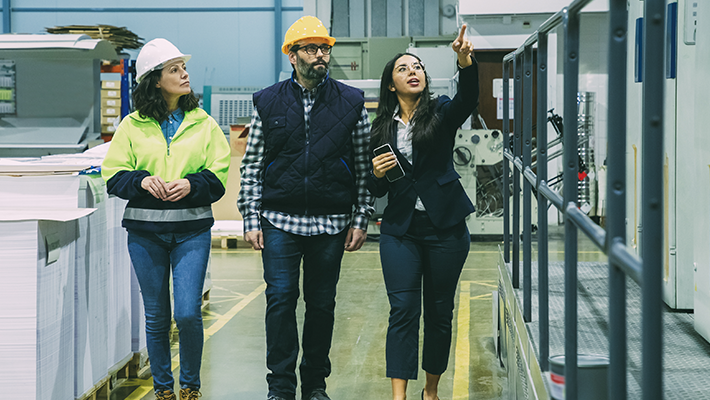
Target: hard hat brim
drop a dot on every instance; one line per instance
(287, 46)
(185, 58)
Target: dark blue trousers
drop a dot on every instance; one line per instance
(282, 255)
(429, 261)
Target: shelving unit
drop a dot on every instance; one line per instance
(7, 88)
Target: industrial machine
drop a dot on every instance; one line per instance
(478, 158)
(50, 94)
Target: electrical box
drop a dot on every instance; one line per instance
(229, 104)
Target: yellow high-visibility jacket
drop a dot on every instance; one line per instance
(198, 152)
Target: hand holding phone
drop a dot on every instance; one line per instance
(393, 171)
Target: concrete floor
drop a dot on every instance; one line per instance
(234, 354)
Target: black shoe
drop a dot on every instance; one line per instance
(317, 394)
(272, 397)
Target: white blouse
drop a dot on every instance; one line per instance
(404, 145)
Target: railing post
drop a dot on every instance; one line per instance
(506, 163)
(542, 279)
(527, 158)
(616, 194)
(652, 199)
(517, 83)
(571, 84)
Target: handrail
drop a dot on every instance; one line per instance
(586, 225)
(555, 198)
(530, 176)
(622, 259)
(507, 154)
(630, 263)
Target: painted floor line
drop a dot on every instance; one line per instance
(463, 351)
(143, 390)
(486, 296)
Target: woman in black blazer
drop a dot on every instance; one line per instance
(424, 240)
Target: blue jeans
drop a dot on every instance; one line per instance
(282, 255)
(429, 260)
(153, 257)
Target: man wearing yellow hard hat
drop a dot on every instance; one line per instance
(304, 198)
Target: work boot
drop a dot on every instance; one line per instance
(165, 395)
(317, 394)
(189, 394)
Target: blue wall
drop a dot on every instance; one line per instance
(232, 42)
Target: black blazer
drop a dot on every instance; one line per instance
(431, 176)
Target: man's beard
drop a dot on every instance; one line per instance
(309, 71)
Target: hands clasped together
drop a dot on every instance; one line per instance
(173, 191)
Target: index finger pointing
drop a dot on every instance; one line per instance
(461, 33)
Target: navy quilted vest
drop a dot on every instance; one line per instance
(309, 174)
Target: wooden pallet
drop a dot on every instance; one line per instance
(102, 390)
(229, 242)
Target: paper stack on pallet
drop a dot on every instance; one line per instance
(38, 246)
(95, 335)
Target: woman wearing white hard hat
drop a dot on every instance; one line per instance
(169, 159)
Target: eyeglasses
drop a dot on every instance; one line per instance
(312, 49)
(402, 68)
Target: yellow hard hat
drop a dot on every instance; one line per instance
(306, 28)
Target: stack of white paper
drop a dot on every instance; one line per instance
(101, 280)
(119, 286)
(38, 248)
(91, 288)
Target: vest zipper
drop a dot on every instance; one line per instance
(308, 148)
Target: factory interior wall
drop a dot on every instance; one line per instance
(228, 48)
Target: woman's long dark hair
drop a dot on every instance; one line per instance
(149, 101)
(425, 119)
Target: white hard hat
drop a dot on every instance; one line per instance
(154, 55)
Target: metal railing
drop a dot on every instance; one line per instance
(622, 260)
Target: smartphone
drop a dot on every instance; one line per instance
(394, 173)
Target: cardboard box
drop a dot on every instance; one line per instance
(109, 120)
(110, 111)
(110, 103)
(108, 128)
(110, 84)
(110, 93)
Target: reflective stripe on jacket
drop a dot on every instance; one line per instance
(198, 152)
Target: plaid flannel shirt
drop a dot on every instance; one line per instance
(249, 201)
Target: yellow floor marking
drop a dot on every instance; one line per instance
(230, 299)
(231, 313)
(211, 313)
(141, 391)
(482, 283)
(485, 296)
(147, 386)
(463, 351)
